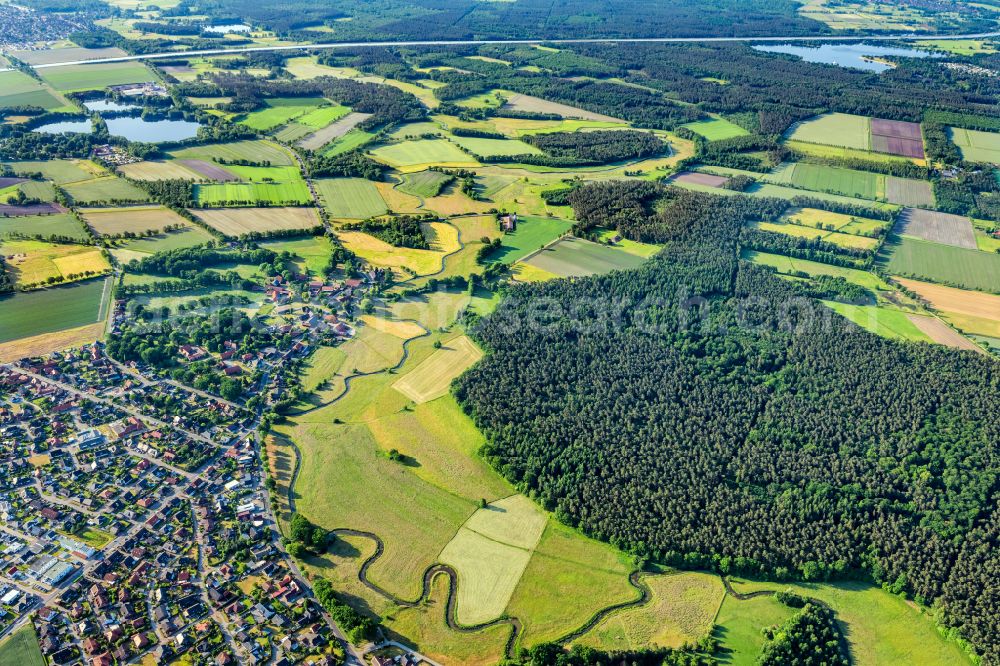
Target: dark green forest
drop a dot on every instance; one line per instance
(704, 413)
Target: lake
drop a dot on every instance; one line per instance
(855, 56)
(152, 131)
(226, 29)
(108, 105)
(65, 126)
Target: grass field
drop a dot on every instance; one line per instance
(970, 269)
(280, 110)
(495, 147)
(57, 224)
(355, 138)
(34, 262)
(424, 183)
(249, 194)
(252, 150)
(105, 189)
(70, 78)
(644, 250)
(790, 266)
(323, 116)
(847, 182)
(886, 322)
(532, 234)
(842, 152)
(835, 237)
(187, 237)
(681, 610)
(312, 253)
(740, 624)
(350, 198)
(60, 172)
(50, 310)
(782, 192)
(848, 224)
(835, 129)
(22, 648)
(490, 553)
(420, 262)
(238, 221)
(135, 219)
(880, 628)
(431, 379)
(422, 153)
(578, 257)
(966, 47)
(976, 146)
(156, 170)
(716, 129)
(19, 89)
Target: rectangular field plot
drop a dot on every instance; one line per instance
(252, 150)
(33, 263)
(577, 257)
(532, 234)
(350, 198)
(335, 130)
(937, 227)
(716, 129)
(972, 311)
(279, 111)
(253, 194)
(977, 146)
(834, 129)
(956, 266)
(60, 172)
(790, 266)
(423, 153)
(908, 192)
(19, 89)
(847, 182)
(238, 221)
(490, 553)
(97, 76)
(166, 170)
(109, 189)
(495, 147)
(824, 219)
(136, 219)
(835, 237)
(897, 138)
(432, 377)
(52, 224)
(424, 183)
(34, 313)
(189, 236)
(885, 322)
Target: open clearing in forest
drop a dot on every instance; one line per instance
(886, 322)
(716, 129)
(495, 147)
(954, 266)
(490, 553)
(937, 227)
(238, 221)
(28, 314)
(97, 76)
(575, 257)
(350, 198)
(805, 231)
(848, 224)
(431, 379)
(423, 153)
(680, 610)
(531, 104)
(133, 219)
(789, 266)
(976, 146)
(695, 178)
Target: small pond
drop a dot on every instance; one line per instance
(856, 56)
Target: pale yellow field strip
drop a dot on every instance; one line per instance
(433, 376)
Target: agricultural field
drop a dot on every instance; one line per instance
(19, 89)
(909, 192)
(418, 155)
(490, 553)
(312, 253)
(974, 312)
(741, 623)
(884, 321)
(944, 228)
(789, 266)
(835, 237)
(532, 234)
(61, 172)
(252, 194)
(160, 170)
(495, 147)
(21, 648)
(132, 219)
(279, 111)
(233, 222)
(106, 189)
(251, 150)
(954, 266)
(409, 261)
(71, 78)
(65, 54)
(681, 610)
(350, 198)
(431, 379)
(537, 105)
(820, 178)
(424, 183)
(189, 236)
(54, 224)
(716, 129)
(30, 314)
(963, 47)
(644, 250)
(834, 129)
(574, 257)
(34, 263)
(976, 146)
(848, 224)
(339, 130)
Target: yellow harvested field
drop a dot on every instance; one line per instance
(401, 329)
(135, 219)
(398, 202)
(380, 253)
(239, 221)
(528, 273)
(39, 460)
(433, 376)
(42, 345)
(442, 237)
(476, 228)
(490, 553)
(974, 312)
(34, 262)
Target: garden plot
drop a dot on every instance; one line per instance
(937, 227)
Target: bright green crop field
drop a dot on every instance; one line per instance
(97, 76)
(215, 194)
(971, 269)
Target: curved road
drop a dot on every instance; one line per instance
(480, 42)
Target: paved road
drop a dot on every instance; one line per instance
(480, 42)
